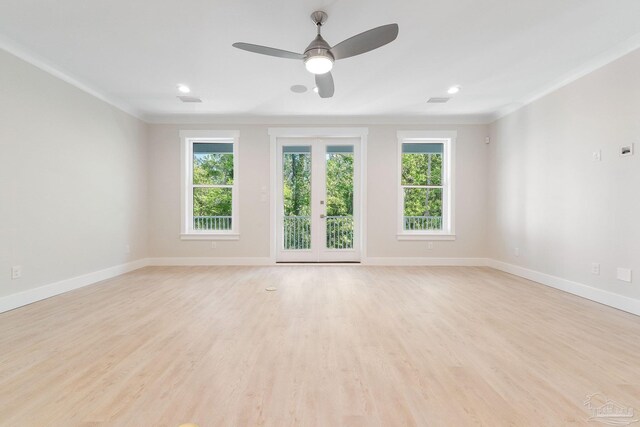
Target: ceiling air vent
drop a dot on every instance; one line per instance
(189, 99)
(438, 100)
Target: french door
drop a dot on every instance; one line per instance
(318, 200)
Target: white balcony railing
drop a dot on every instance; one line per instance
(297, 229)
(423, 223)
(212, 223)
(297, 232)
(339, 232)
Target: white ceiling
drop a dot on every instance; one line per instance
(503, 52)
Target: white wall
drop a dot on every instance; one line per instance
(549, 198)
(470, 196)
(164, 194)
(72, 180)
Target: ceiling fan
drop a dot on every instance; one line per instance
(319, 56)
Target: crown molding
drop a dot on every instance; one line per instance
(601, 60)
(202, 119)
(22, 53)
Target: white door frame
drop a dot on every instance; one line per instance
(318, 251)
(350, 132)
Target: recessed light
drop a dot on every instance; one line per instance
(453, 90)
(315, 89)
(184, 88)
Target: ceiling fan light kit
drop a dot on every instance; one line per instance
(319, 56)
(318, 62)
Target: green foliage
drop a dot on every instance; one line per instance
(339, 200)
(339, 184)
(212, 169)
(297, 199)
(212, 202)
(417, 170)
(422, 170)
(423, 202)
(296, 176)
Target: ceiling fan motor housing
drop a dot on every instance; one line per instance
(317, 56)
(318, 47)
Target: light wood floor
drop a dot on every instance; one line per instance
(333, 346)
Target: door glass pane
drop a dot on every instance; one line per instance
(422, 209)
(296, 180)
(212, 208)
(339, 201)
(422, 163)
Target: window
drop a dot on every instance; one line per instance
(210, 187)
(425, 194)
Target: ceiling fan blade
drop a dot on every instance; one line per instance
(268, 51)
(324, 82)
(364, 42)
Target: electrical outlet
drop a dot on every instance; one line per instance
(516, 251)
(16, 272)
(624, 274)
(127, 249)
(597, 156)
(595, 268)
(429, 245)
(214, 245)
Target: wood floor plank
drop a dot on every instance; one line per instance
(332, 346)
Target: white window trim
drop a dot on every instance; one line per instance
(448, 138)
(187, 139)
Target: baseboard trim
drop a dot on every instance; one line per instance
(601, 296)
(40, 293)
(388, 261)
(194, 261)
(426, 261)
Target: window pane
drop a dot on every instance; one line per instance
(302, 149)
(296, 181)
(331, 149)
(422, 147)
(422, 164)
(422, 209)
(213, 163)
(339, 197)
(212, 208)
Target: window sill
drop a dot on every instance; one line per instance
(209, 236)
(422, 236)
